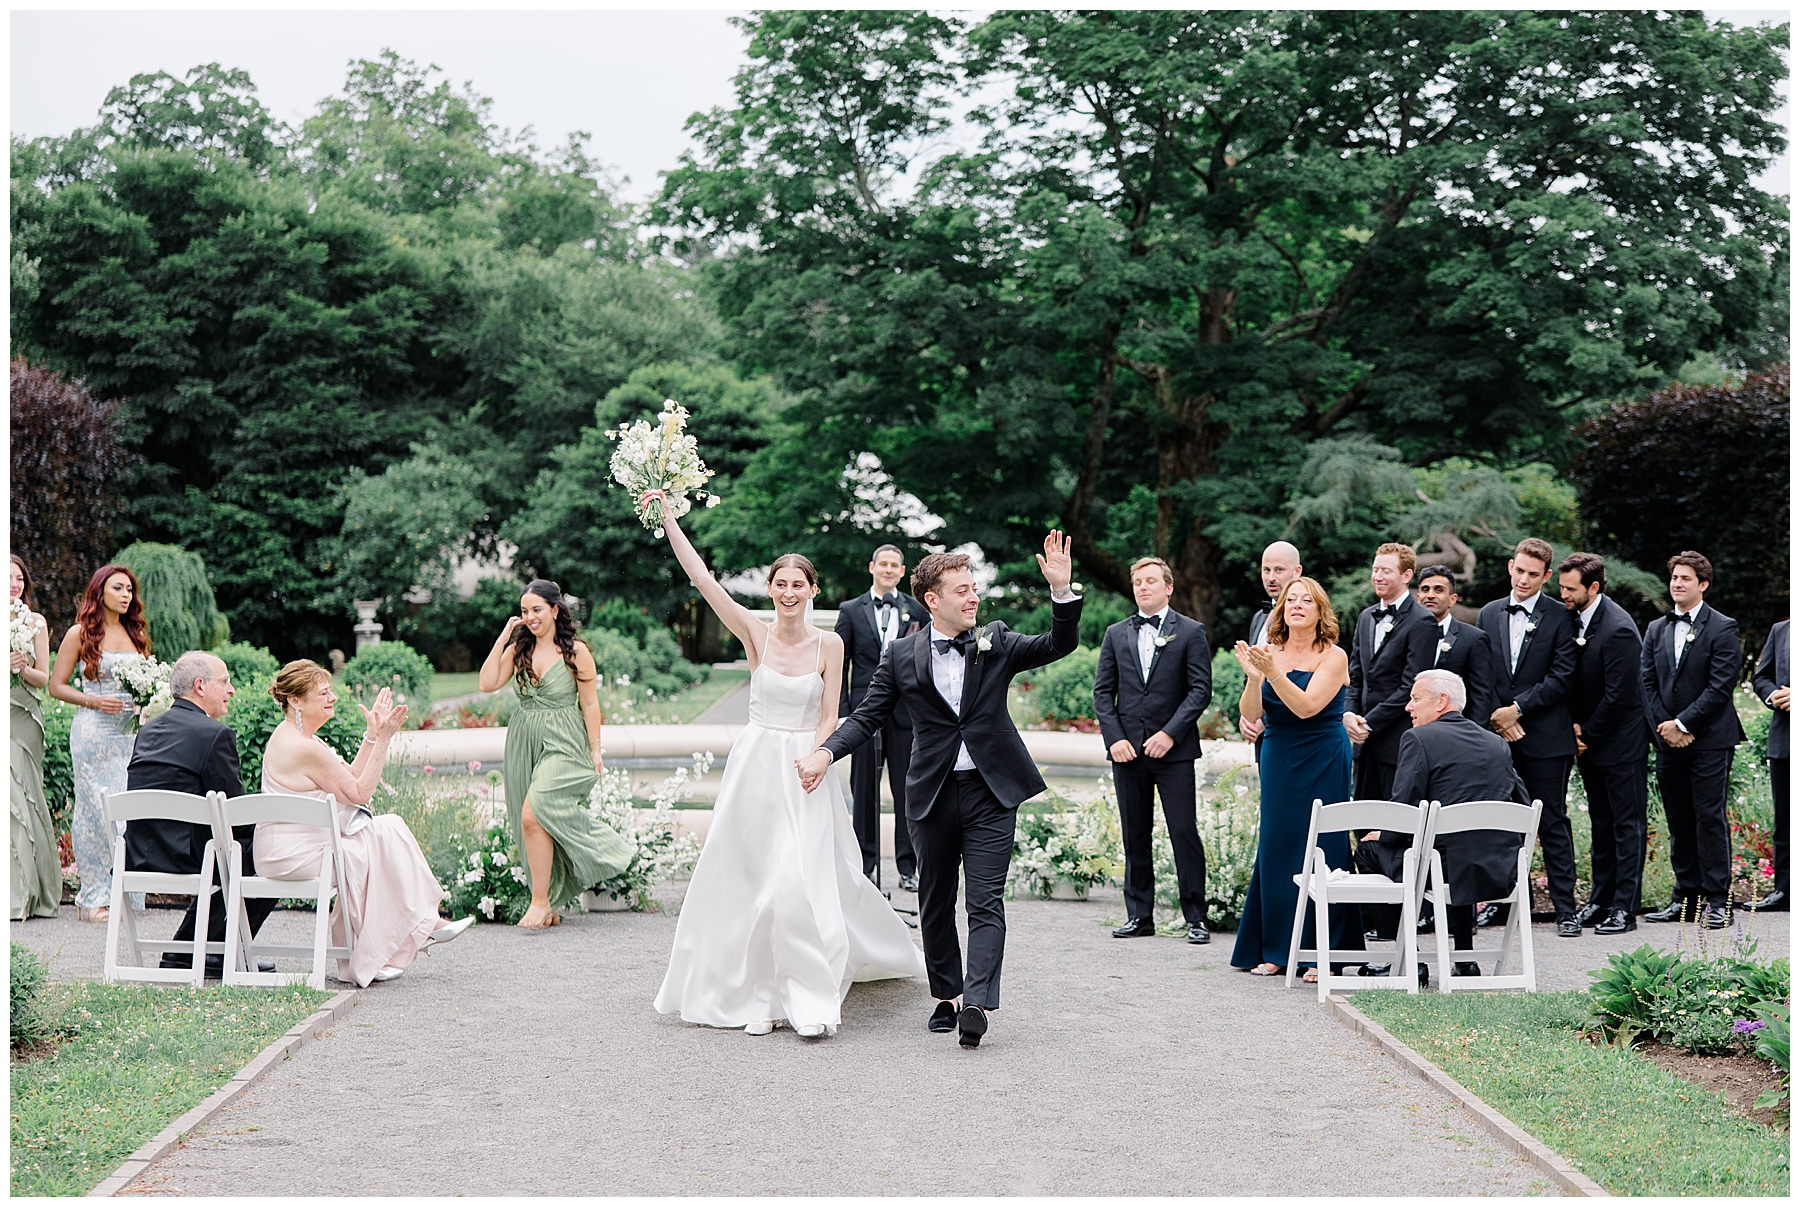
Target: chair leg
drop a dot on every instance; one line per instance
(234, 954)
(1441, 908)
(1409, 941)
(1301, 903)
(115, 914)
(321, 919)
(1522, 906)
(203, 919)
(1322, 939)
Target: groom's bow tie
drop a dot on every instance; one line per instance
(960, 644)
(890, 600)
(1687, 619)
(1140, 620)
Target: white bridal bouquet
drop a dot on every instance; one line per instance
(25, 626)
(147, 679)
(662, 458)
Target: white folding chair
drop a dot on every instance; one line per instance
(1323, 888)
(157, 804)
(1488, 815)
(320, 889)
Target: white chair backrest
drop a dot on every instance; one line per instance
(1368, 815)
(158, 804)
(279, 806)
(1488, 815)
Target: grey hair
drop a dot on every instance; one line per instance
(1445, 683)
(192, 667)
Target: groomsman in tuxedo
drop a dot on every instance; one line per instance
(1689, 668)
(867, 625)
(1153, 682)
(1395, 639)
(1612, 741)
(1771, 682)
(1534, 657)
(1462, 649)
(1280, 566)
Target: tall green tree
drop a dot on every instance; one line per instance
(1194, 244)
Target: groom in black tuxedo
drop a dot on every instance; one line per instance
(186, 749)
(1153, 681)
(1395, 639)
(970, 769)
(868, 624)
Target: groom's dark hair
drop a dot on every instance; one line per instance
(933, 568)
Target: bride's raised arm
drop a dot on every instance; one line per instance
(733, 614)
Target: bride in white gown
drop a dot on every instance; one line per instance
(779, 918)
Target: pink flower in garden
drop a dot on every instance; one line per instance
(474, 766)
(429, 769)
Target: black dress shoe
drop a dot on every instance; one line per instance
(1427, 925)
(909, 884)
(1616, 923)
(1567, 927)
(943, 1019)
(1775, 902)
(1716, 917)
(971, 1025)
(1388, 970)
(1137, 928)
(1197, 933)
(1588, 914)
(1488, 915)
(1674, 911)
(1465, 968)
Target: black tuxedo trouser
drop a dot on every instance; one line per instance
(1548, 780)
(967, 827)
(1778, 786)
(865, 795)
(1374, 778)
(1694, 784)
(1617, 796)
(1387, 859)
(1174, 782)
(257, 909)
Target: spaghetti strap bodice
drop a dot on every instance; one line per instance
(787, 702)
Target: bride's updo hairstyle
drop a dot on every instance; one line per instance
(1327, 633)
(296, 679)
(523, 643)
(797, 562)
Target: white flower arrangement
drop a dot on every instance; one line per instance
(661, 854)
(662, 458)
(147, 679)
(1163, 639)
(1081, 846)
(25, 627)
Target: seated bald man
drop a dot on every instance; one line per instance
(1451, 759)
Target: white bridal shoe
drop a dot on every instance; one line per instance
(810, 1030)
(762, 1028)
(388, 972)
(447, 932)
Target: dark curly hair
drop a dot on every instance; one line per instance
(524, 643)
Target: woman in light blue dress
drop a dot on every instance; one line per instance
(108, 630)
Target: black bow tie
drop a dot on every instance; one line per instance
(1513, 608)
(1140, 620)
(960, 644)
(1688, 619)
(890, 600)
(1385, 610)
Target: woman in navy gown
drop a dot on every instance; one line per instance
(1296, 683)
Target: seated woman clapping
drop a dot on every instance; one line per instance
(390, 901)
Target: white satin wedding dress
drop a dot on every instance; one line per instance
(779, 919)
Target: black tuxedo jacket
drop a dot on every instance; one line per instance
(1698, 694)
(984, 724)
(184, 750)
(1259, 623)
(1381, 680)
(1606, 696)
(1771, 673)
(1453, 761)
(1171, 699)
(1540, 684)
(862, 645)
(1470, 656)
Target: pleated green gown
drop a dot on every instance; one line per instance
(547, 761)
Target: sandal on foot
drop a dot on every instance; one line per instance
(544, 919)
(100, 913)
(1267, 970)
(1310, 976)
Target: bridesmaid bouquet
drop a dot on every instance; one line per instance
(25, 626)
(147, 679)
(662, 458)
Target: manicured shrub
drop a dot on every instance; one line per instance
(246, 662)
(390, 664)
(28, 976)
(59, 771)
(1064, 690)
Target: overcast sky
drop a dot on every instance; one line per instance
(629, 78)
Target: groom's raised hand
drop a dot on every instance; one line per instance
(1057, 567)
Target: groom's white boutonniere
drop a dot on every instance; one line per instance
(983, 642)
(1386, 627)
(1445, 644)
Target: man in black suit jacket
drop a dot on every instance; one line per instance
(970, 769)
(1689, 668)
(1606, 704)
(1280, 566)
(1448, 758)
(1533, 640)
(187, 750)
(1153, 682)
(1771, 682)
(1462, 649)
(1395, 639)
(868, 624)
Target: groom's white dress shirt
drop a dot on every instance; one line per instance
(948, 669)
(1146, 640)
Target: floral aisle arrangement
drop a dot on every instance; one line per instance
(661, 853)
(665, 458)
(147, 679)
(24, 626)
(491, 882)
(1229, 820)
(1079, 845)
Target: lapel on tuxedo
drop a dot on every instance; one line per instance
(1533, 623)
(1164, 630)
(972, 667)
(1437, 657)
(922, 668)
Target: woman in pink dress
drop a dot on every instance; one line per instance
(390, 900)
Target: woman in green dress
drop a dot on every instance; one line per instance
(552, 754)
(36, 865)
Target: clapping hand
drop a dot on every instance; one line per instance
(1242, 651)
(385, 719)
(1058, 568)
(1262, 658)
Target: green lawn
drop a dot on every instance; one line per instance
(444, 686)
(1622, 1121)
(135, 1059)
